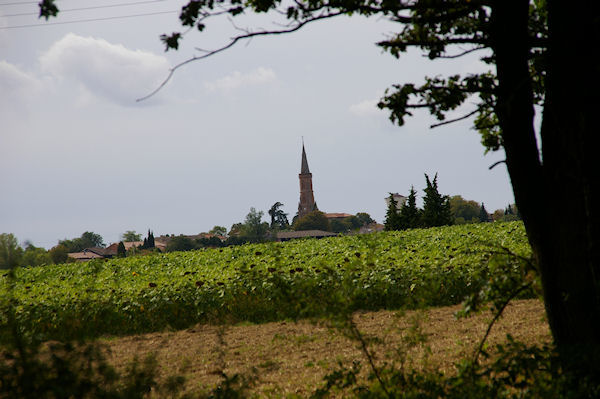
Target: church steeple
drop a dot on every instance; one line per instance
(307, 200)
(304, 168)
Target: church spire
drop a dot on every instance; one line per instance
(307, 200)
(304, 168)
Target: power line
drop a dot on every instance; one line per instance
(88, 8)
(88, 20)
(25, 2)
(19, 3)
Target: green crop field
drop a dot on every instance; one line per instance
(257, 282)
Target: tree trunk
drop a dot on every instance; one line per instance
(570, 259)
(558, 197)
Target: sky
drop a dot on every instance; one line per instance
(78, 153)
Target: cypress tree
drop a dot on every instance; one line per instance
(392, 217)
(483, 214)
(410, 215)
(436, 207)
(150, 239)
(121, 252)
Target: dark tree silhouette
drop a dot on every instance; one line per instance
(436, 207)
(392, 216)
(279, 218)
(410, 215)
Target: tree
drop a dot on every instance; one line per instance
(339, 226)
(484, 216)
(254, 229)
(410, 215)
(90, 239)
(121, 251)
(436, 207)
(498, 215)
(10, 251)
(392, 215)
(236, 230)
(218, 231)
(365, 218)
(279, 218)
(150, 239)
(315, 220)
(543, 55)
(87, 240)
(464, 211)
(346, 224)
(131, 236)
(180, 243)
(59, 253)
(35, 256)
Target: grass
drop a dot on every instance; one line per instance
(292, 358)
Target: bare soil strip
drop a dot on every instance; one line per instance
(293, 357)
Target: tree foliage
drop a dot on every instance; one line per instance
(181, 243)
(254, 229)
(484, 216)
(59, 253)
(87, 240)
(315, 220)
(218, 230)
(279, 218)
(131, 236)
(35, 256)
(436, 207)
(121, 251)
(10, 251)
(464, 211)
(410, 215)
(365, 218)
(392, 215)
(347, 224)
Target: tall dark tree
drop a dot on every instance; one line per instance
(484, 216)
(151, 239)
(392, 215)
(436, 207)
(279, 218)
(541, 52)
(410, 215)
(121, 252)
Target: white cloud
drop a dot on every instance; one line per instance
(105, 69)
(366, 108)
(16, 85)
(237, 79)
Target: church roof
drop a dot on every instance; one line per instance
(304, 168)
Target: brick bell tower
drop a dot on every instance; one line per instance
(307, 200)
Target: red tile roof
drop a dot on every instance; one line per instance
(337, 215)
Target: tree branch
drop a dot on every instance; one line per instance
(454, 120)
(466, 40)
(233, 41)
(492, 166)
(462, 53)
